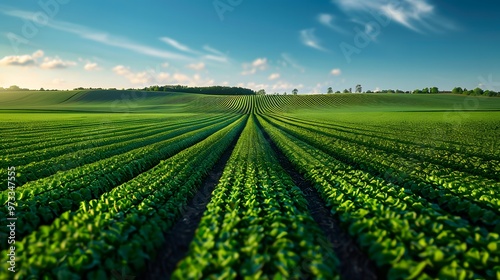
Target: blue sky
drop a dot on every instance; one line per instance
(275, 45)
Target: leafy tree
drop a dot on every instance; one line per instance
(261, 92)
(478, 91)
(457, 90)
(425, 90)
(295, 91)
(369, 91)
(338, 91)
(330, 90)
(346, 91)
(434, 90)
(14, 87)
(350, 90)
(417, 91)
(359, 89)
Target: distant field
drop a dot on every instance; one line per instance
(136, 101)
(154, 184)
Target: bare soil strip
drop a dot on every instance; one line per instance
(354, 263)
(178, 238)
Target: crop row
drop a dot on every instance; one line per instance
(40, 202)
(122, 229)
(402, 232)
(429, 150)
(257, 225)
(460, 193)
(41, 166)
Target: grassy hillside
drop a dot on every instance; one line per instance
(141, 101)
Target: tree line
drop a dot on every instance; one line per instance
(216, 90)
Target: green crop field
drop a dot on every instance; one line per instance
(158, 185)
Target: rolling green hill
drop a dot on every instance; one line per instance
(142, 101)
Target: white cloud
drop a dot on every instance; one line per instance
(413, 14)
(274, 76)
(150, 77)
(308, 38)
(21, 60)
(327, 20)
(38, 54)
(134, 77)
(212, 50)
(289, 61)
(282, 85)
(98, 36)
(196, 66)
(258, 64)
(56, 63)
(336, 72)
(91, 66)
(175, 44)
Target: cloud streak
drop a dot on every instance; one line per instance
(308, 38)
(416, 15)
(327, 20)
(100, 36)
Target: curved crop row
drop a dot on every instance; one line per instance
(401, 231)
(40, 202)
(123, 228)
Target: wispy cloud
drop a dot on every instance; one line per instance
(417, 15)
(308, 38)
(175, 44)
(328, 21)
(100, 36)
(289, 61)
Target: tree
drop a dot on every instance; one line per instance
(434, 90)
(284, 93)
(261, 92)
(478, 91)
(346, 91)
(457, 90)
(42, 89)
(425, 90)
(330, 90)
(417, 91)
(359, 89)
(350, 90)
(295, 91)
(14, 87)
(338, 91)
(369, 91)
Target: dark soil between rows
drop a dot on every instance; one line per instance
(354, 263)
(178, 238)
